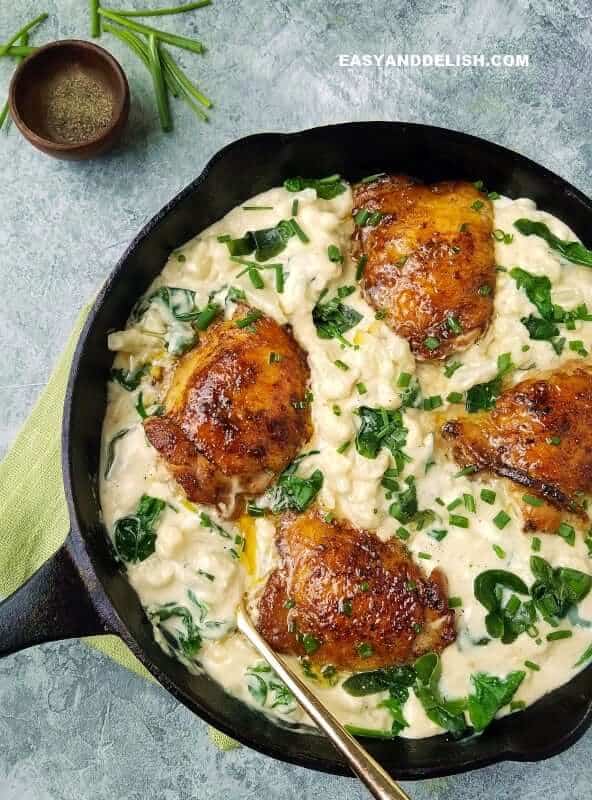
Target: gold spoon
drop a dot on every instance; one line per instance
(380, 784)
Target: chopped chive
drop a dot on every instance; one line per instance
(454, 324)
(438, 534)
(484, 290)
(250, 318)
(334, 254)
(430, 403)
(555, 636)
(499, 551)
(295, 207)
(454, 504)
(336, 410)
(488, 496)
(532, 665)
(289, 603)
(517, 705)
(458, 521)
(404, 380)
(360, 267)
(402, 533)
(258, 208)
(279, 279)
(493, 196)
(206, 316)
(361, 217)
(501, 519)
(469, 502)
(341, 365)
(455, 397)
(365, 650)
(255, 278)
(531, 500)
(275, 358)
(451, 368)
(431, 342)
(410, 586)
(254, 510)
(470, 470)
(455, 602)
(361, 387)
(364, 586)
(372, 178)
(343, 447)
(555, 440)
(374, 218)
(425, 556)
(567, 532)
(577, 346)
(477, 205)
(535, 544)
(299, 232)
(345, 607)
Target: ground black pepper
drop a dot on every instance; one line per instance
(77, 107)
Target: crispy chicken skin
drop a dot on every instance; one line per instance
(428, 260)
(540, 436)
(364, 601)
(234, 417)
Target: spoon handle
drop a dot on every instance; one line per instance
(380, 784)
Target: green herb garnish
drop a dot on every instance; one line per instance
(134, 535)
(572, 251)
(292, 492)
(333, 318)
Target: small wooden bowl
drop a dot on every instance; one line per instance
(30, 89)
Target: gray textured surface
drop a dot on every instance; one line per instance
(72, 724)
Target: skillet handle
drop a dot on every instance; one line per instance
(53, 604)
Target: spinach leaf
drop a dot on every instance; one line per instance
(266, 242)
(405, 507)
(379, 680)
(504, 623)
(129, 379)
(134, 535)
(187, 641)
(482, 396)
(396, 680)
(448, 714)
(572, 251)
(333, 318)
(537, 288)
(491, 694)
(111, 451)
(557, 589)
(326, 188)
(293, 493)
(382, 427)
(540, 329)
(267, 689)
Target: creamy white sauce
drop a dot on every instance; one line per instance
(191, 558)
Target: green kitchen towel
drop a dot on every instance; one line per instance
(33, 507)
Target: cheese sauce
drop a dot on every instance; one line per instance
(191, 584)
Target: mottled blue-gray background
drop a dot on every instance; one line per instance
(73, 724)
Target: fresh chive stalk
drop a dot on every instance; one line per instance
(19, 34)
(162, 12)
(24, 40)
(95, 20)
(160, 89)
(186, 86)
(19, 51)
(171, 38)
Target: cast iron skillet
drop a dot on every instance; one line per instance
(80, 590)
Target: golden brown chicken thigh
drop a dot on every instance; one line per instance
(345, 598)
(429, 260)
(539, 436)
(236, 412)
